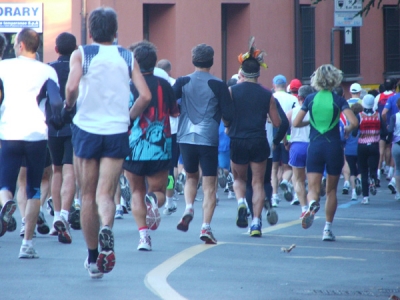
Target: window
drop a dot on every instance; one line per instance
(305, 46)
(391, 29)
(350, 54)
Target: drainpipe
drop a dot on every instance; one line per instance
(83, 22)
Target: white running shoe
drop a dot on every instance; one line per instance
(144, 243)
(168, 210)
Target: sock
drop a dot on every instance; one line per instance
(56, 214)
(27, 243)
(189, 206)
(23, 221)
(41, 208)
(119, 207)
(378, 173)
(304, 208)
(255, 221)
(391, 169)
(143, 231)
(205, 226)
(242, 201)
(346, 183)
(168, 201)
(77, 201)
(93, 254)
(274, 195)
(353, 191)
(328, 225)
(64, 213)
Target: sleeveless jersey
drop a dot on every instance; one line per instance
(370, 126)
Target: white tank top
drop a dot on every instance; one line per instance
(300, 134)
(103, 102)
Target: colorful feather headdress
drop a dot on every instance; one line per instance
(253, 52)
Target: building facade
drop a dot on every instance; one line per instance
(296, 35)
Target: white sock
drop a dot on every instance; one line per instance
(391, 169)
(118, 207)
(205, 225)
(168, 201)
(64, 213)
(242, 201)
(255, 221)
(143, 232)
(304, 208)
(27, 243)
(328, 225)
(274, 195)
(23, 221)
(56, 215)
(189, 206)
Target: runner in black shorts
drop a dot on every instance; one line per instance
(249, 145)
(150, 144)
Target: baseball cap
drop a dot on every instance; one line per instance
(279, 79)
(295, 84)
(368, 101)
(355, 88)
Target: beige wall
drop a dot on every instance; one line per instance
(178, 25)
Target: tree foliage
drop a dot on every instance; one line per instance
(367, 5)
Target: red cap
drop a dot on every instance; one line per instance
(295, 84)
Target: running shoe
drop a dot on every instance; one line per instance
(392, 186)
(377, 183)
(53, 231)
(365, 201)
(354, 196)
(358, 186)
(77, 204)
(106, 259)
(74, 218)
(22, 231)
(50, 207)
(229, 181)
(93, 270)
(144, 243)
(295, 201)
(119, 214)
(42, 226)
(27, 252)
(221, 177)
(231, 195)
(241, 219)
(255, 230)
(328, 236)
(287, 190)
(275, 200)
(207, 236)
(62, 227)
(6, 214)
(272, 215)
(372, 187)
(187, 217)
(322, 193)
(308, 217)
(12, 225)
(180, 183)
(397, 197)
(302, 214)
(153, 217)
(346, 187)
(168, 210)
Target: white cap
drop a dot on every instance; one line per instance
(355, 88)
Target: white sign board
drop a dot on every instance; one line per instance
(15, 16)
(347, 19)
(348, 5)
(348, 35)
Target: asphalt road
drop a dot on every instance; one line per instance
(363, 262)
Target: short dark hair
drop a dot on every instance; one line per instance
(145, 54)
(103, 24)
(3, 44)
(390, 84)
(66, 43)
(250, 66)
(30, 38)
(304, 91)
(164, 64)
(357, 108)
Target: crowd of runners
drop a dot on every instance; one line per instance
(105, 130)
